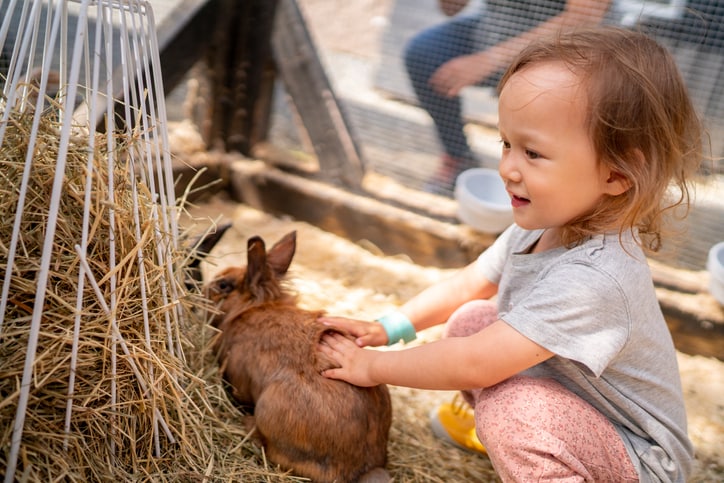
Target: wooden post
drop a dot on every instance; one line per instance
(307, 84)
(240, 74)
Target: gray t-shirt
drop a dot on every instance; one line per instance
(595, 307)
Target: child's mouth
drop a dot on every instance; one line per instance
(518, 201)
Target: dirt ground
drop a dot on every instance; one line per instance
(354, 279)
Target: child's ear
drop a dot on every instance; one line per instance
(617, 183)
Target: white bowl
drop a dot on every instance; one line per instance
(482, 200)
(715, 265)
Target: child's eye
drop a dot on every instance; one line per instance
(531, 154)
(506, 144)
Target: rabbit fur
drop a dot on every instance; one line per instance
(323, 429)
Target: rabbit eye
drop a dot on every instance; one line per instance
(224, 286)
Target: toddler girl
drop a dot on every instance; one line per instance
(571, 372)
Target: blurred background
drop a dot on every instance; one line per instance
(361, 44)
(387, 135)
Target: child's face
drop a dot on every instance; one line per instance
(549, 164)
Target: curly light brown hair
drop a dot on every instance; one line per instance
(641, 121)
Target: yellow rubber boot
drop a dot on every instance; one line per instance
(454, 422)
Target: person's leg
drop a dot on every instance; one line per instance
(470, 318)
(427, 51)
(537, 430)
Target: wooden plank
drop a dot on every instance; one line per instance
(393, 230)
(306, 83)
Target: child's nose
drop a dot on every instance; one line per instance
(508, 168)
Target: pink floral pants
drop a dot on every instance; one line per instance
(537, 430)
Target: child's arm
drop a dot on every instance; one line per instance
(430, 307)
(435, 304)
(480, 360)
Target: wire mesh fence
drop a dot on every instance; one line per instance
(379, 55)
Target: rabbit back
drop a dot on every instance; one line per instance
(322, 428)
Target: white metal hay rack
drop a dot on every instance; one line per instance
(111, 54)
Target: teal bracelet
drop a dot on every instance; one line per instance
(398, 327)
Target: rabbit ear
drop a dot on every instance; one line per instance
(256, 269)
(280, 255)
(263, 269)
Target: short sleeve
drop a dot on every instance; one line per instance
(491, 262)
(576, 311)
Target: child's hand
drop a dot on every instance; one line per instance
(353, 361)
(365, 333)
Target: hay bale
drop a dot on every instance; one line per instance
(113, 395)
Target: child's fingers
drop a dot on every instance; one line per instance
(331, 374)
(351, 326)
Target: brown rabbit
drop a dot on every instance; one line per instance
(320, 428)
